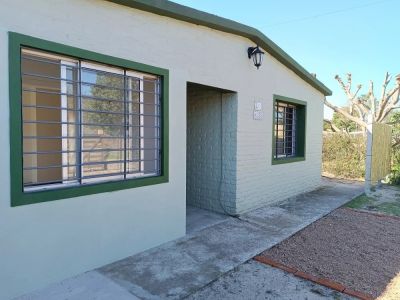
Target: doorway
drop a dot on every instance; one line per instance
(211, 148)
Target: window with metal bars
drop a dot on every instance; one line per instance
(289, 130)
(86, 122)
(285, 130)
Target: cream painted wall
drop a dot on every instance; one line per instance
(47, 242)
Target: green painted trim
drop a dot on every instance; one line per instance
(301, 126)
(287, 160)
(194, 16)
(18, 197)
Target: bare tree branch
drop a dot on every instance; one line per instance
(391, 101)
(357, 90)
(333, 126)
(349, 81)
(360, 111)
(383, 101)
(394, 100)
(379, 109)
(355, 102)
(346, 114)
(371, 98)
(384, 85)
(363, 106)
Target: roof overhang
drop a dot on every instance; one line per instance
(194, 16)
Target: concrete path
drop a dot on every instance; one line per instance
(253, 280)
(186, 267)
(198, 219)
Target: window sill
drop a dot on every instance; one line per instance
(23, 198)
(278, 161)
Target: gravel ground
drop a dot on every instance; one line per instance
(356, 249)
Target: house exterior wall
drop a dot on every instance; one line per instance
(258, 181)
(49, 241)
(211, 150)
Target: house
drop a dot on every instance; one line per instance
(116, 115)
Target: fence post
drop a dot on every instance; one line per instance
(368, 157)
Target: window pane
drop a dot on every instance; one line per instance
(285, 137)
(85, 122)
(102, 122)
(102, 157)
(143, 153)
(49, 89)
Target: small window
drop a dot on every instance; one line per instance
(289, 130)
(86, 122)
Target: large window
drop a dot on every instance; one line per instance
(289, 130)
(86, 122)
(80, 118)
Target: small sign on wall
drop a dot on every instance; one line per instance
(258, 112)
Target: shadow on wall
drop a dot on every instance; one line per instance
(211, 148)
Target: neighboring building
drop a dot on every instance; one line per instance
(125, 112)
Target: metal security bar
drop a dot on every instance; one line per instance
(285, 130)
(85, 123)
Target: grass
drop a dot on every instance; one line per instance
(371, 203)
(360, 202)
(390, 208)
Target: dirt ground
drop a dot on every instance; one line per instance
(357, 249)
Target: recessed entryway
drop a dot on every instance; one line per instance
(211, 149)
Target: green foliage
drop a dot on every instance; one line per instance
(394, 120)
(327, 126)
(343, 155)
(343, 123)
(115, 92)
(394, 177)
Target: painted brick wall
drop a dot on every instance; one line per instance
(211, 150)
(258, 181)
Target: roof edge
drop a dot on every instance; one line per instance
(194, 16)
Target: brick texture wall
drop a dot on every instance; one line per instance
(259, 182)
(211, 149)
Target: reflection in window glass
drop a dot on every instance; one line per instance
(85, 122)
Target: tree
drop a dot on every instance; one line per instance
(328, 126)
(108, 87)
(107, 118)
(367, 108)
(343, 123)
(394, 120)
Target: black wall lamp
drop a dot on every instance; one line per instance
(257, 55)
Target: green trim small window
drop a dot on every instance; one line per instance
(82, 122)
(289, 121)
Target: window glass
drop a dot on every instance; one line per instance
(49, 89)
(285, 130)
(85, 122)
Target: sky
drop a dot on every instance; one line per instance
(326, 37)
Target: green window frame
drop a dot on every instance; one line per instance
(18, 196)
(299, 128)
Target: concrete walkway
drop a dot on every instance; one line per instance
(254, 280)
(197, 265)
